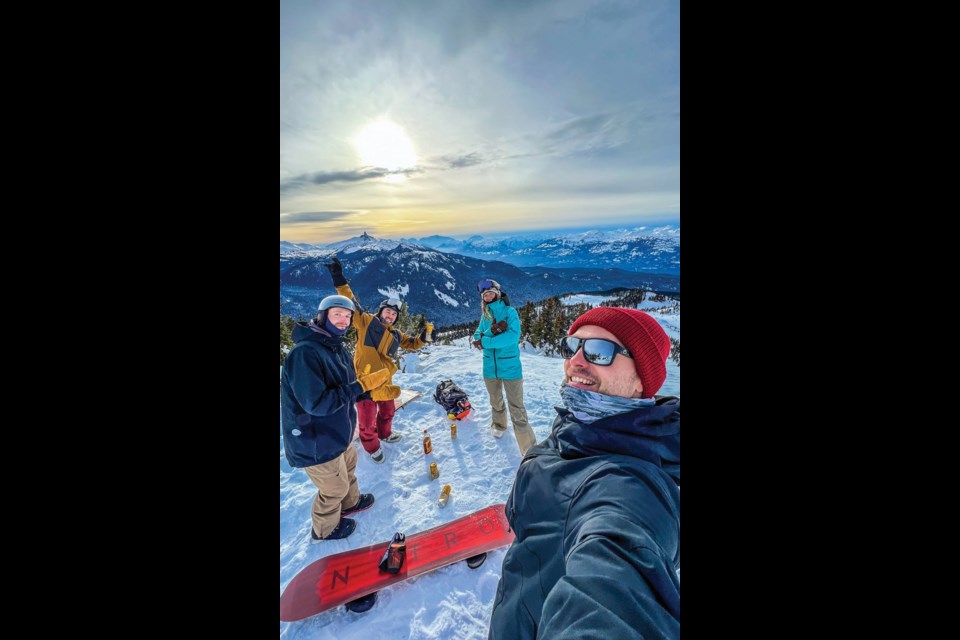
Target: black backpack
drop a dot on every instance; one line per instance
(453, 399)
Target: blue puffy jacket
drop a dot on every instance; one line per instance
(318, 394)
(596, 513)
(501, 353)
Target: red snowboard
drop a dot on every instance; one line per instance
(346, 576)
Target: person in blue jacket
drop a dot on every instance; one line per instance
(318, 395)
(498, 334)
(596, 506)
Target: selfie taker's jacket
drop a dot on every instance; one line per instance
(596, 512)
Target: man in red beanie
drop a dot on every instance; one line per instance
(596, 506)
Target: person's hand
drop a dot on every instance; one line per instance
(334, 266)
(364, 396)
(478, 344)
(373, 380)
(336, 271)
(498, 327)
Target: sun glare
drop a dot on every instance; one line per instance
(385, 145)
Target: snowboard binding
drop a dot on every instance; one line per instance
(394, 555)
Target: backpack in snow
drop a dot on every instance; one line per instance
(453, 399)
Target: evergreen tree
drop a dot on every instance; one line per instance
(629, 299)
(548, 323)
(447, 334)
(560, 326)
(537, 328)
(286, 341)
(527, 314)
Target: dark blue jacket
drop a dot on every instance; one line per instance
(318, 394)
(596, 511)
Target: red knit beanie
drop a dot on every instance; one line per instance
(643, 337)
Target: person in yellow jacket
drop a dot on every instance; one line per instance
(377, 344)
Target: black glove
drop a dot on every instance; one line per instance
(364, 396)
(336, 272)
(498, 327)
(478, 344)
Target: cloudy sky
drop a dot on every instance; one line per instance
(455, 117)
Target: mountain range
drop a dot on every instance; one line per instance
(438, 284)
(640, 249)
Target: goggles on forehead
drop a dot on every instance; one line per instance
(483, 285)
(595, 350)
(390, 303)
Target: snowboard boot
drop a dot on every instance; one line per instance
(363, 603)
(475, 561)
(343, 529)
(364, 503)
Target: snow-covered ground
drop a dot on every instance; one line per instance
(455, 601)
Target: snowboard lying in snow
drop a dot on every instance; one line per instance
(406, 395)
(346, 576)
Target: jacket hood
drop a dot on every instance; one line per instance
(648, 433)
(302, 331)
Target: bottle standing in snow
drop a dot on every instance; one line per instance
(427, 445)
(434, 472)
(453, 430)
(444, 495)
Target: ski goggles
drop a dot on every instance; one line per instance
(393, 302)
(484, 285)
(595, 350)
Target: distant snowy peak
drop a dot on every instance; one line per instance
(364, 242)
(666, 232)
(441, 243)
(296, 247)
(622, 235)
(304, 249)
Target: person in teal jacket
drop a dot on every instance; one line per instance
(498, 334)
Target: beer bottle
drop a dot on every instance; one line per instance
(427, 445)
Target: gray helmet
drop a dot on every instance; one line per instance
(336, 301)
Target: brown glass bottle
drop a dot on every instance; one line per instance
(427, 445)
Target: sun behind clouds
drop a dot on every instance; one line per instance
(385, 145)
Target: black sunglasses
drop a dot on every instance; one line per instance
(485, 284)
(595, 350)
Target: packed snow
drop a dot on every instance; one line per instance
(454, 601)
